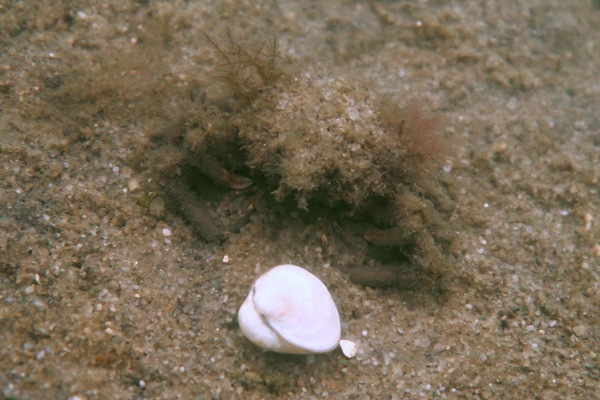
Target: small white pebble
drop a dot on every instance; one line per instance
(365, 333)
(166, 232)
(133, 185)
(552, 324)
(109, 331)
(142, 384)
(225, 258)
(353, 113)
(469, 306)
(327, 265)
(349, 348)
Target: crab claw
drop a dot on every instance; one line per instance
(237, 182)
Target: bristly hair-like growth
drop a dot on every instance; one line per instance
(246, 70)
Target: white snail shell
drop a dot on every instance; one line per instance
(289, 310)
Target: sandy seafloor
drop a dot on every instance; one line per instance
(96, 302)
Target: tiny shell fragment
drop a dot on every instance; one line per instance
(349, 348)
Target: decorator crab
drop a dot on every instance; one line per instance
(327, 145)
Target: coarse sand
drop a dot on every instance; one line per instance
(105, 293)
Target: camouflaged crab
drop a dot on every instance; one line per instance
(330, 144)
